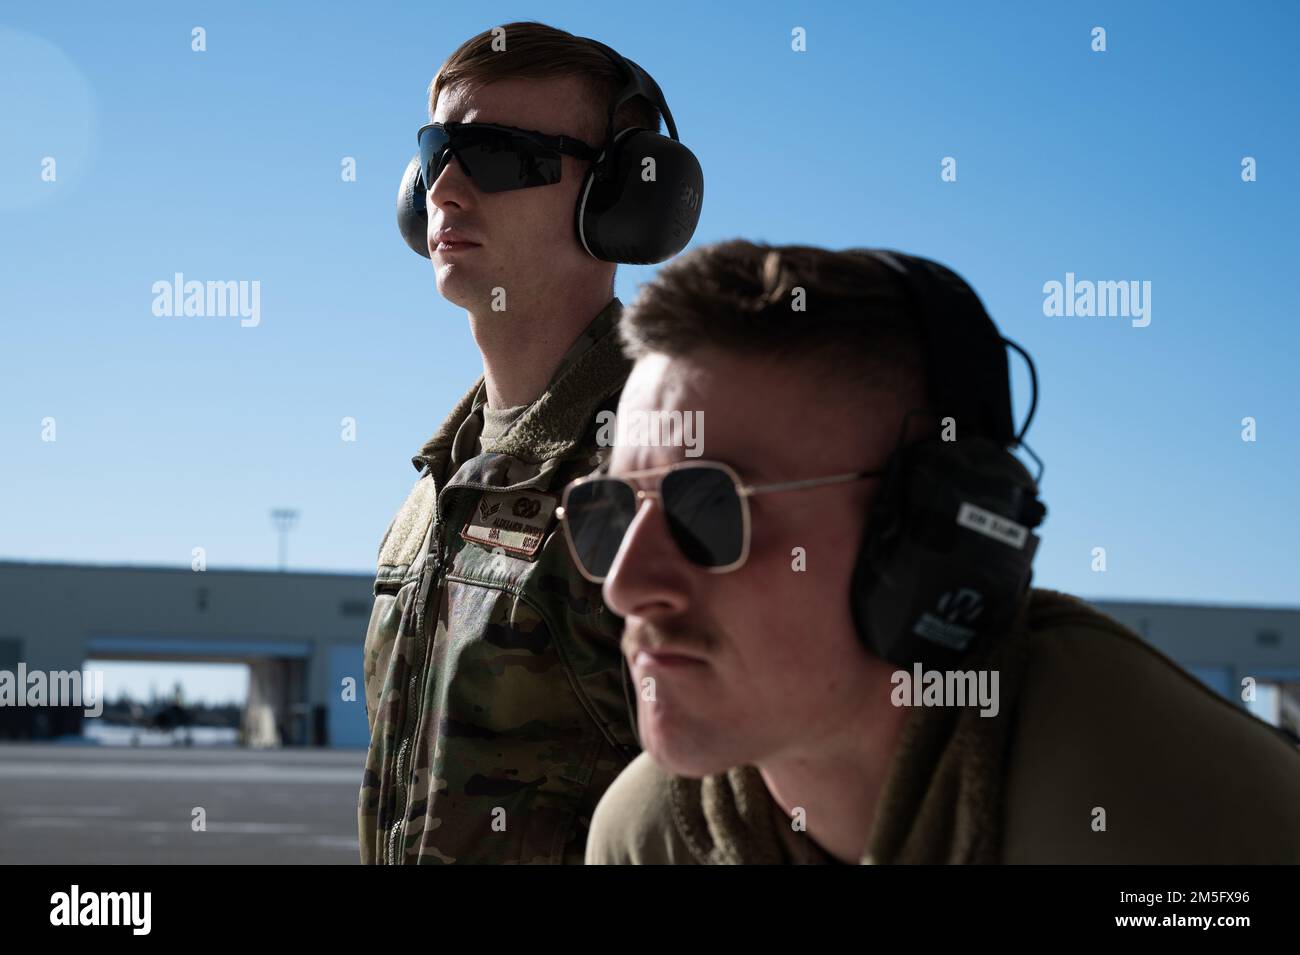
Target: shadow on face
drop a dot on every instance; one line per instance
(769, 654)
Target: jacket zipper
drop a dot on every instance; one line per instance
(402, 779)
(395, 831)
(401, 775)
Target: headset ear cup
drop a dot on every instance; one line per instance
(860, 588)
(947, 557)
(412, 215)
(641, 201)
(887, 507)
(880, 534)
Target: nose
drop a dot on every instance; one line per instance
(453, 189)
(649, 577)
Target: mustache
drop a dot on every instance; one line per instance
(667, 638)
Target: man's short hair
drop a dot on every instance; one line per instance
(536, 51)
(745, 298)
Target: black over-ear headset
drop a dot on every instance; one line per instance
(946, 552)
(621, 216)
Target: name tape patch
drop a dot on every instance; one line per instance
(515, 521)
(992, 525)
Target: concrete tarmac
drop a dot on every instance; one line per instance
(108, 805)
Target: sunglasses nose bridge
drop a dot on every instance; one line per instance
(439, 164)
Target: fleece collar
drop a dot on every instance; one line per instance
(942, 798)
(589, 375)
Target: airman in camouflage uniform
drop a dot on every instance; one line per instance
(494, 681)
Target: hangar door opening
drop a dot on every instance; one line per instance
(275, 710)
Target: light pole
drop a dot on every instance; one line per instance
(284, 518)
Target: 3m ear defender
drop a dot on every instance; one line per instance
(640, 201)
(948, 546)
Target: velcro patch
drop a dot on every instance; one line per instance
(515, 521)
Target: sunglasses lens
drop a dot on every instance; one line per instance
(499, 161)
(599, 512)
(433, 153)
(705, 515)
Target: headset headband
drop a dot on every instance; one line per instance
(966, 357)
(638, 83)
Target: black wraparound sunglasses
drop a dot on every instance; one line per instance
(705, 503)
(496, 158)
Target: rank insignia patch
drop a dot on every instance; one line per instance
(515, 521)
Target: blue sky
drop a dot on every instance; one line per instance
(146, 683)
(174, 433)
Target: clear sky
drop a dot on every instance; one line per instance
(145, 683)
(175, 433)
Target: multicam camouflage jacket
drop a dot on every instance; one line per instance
(494, 681)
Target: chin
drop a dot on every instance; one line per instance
(456, 286)
(686, 747)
